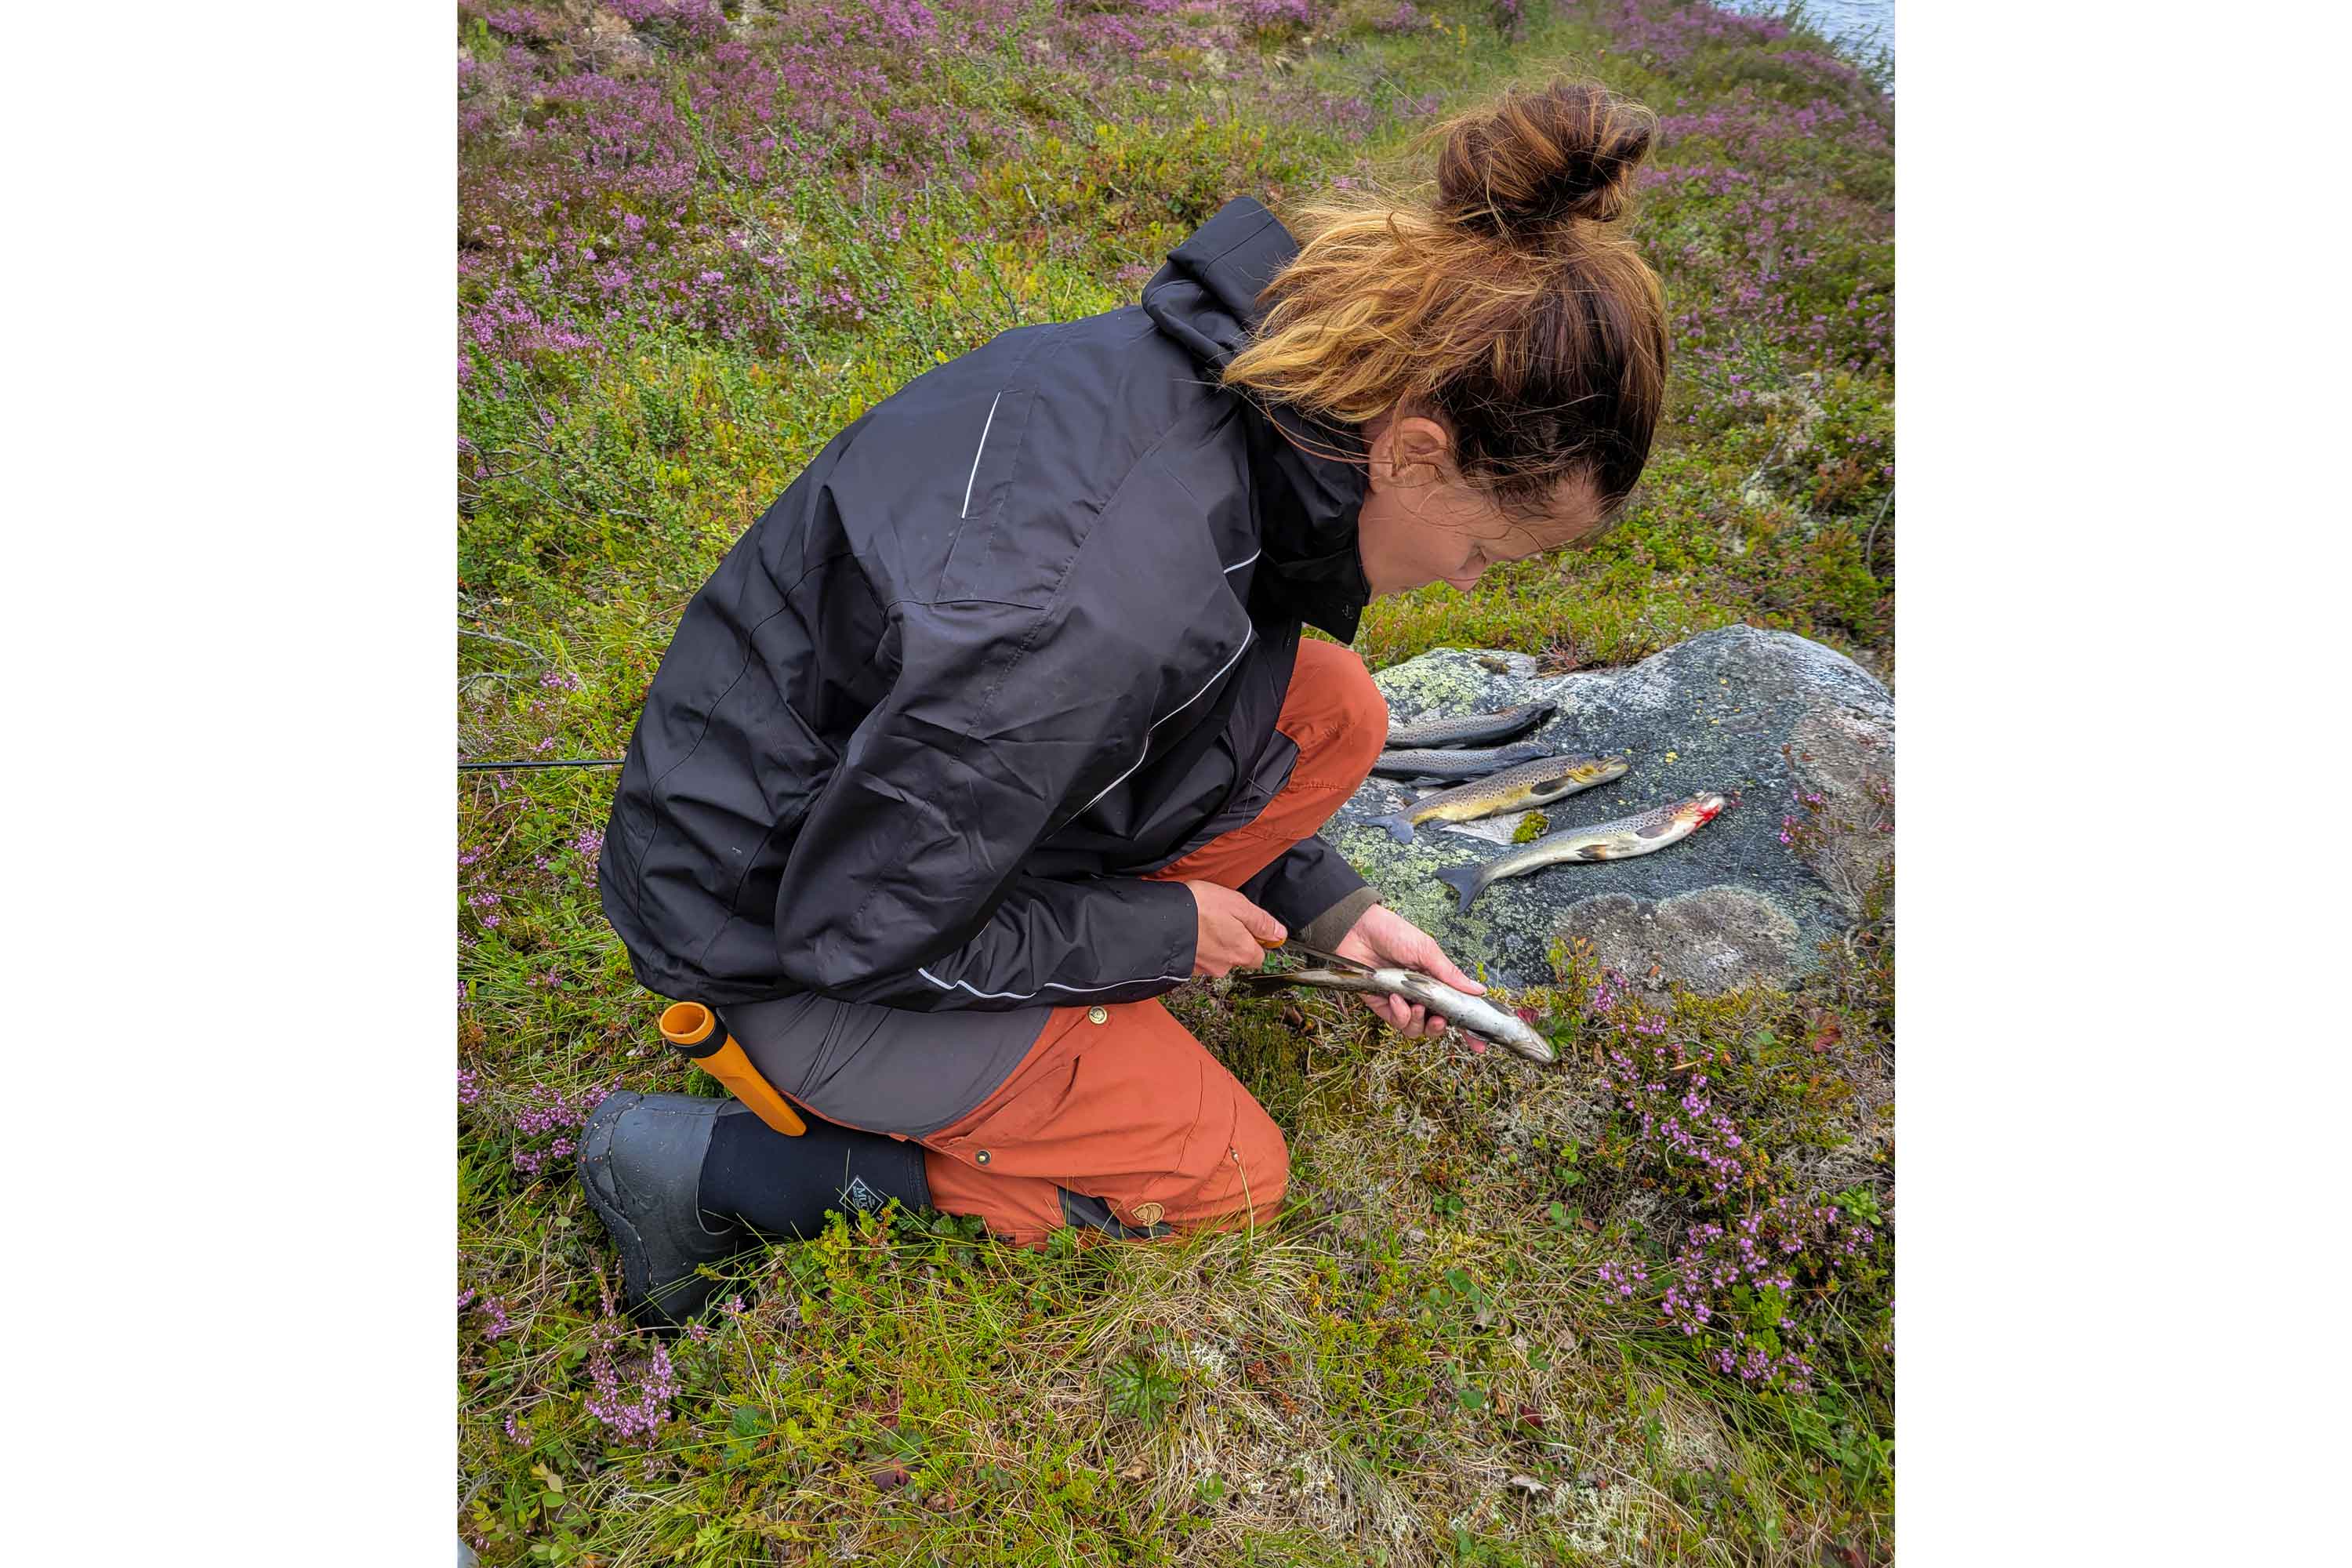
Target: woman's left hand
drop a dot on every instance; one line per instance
(1386, 940)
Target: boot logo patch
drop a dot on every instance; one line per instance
(861, 1196)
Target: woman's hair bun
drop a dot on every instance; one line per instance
(1530, 162)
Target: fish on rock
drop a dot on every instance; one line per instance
(1449, 765)
(1622, 840)
(1514, 789)
(1471, 729)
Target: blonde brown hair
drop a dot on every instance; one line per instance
(1508, 304)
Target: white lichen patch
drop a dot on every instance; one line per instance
(1200, 1353)
(1604, 1521)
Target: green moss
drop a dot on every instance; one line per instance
(1532, 827)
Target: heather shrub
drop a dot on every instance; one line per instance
(1720, 1115)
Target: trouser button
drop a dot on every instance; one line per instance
(982, 1157)
(1098, 1014)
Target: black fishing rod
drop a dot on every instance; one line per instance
(550, 762)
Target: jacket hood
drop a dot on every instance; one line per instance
(1204, 298)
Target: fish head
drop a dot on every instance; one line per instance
(1535, 1047)
(1706, 807)
(1597, 770)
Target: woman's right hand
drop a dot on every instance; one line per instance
(1231, 929)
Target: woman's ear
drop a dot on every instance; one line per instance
(1418, 450)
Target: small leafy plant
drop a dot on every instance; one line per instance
(1138, 1388)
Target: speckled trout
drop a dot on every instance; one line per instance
(1451, 767)
(1513, 789)
(1471, 729)
(1475, 1014)
(1619, 840)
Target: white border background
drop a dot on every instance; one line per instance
(231, 1154)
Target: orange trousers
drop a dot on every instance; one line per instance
(1118, 1106)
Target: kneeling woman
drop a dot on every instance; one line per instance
(1000, 722)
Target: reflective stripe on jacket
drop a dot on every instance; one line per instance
(1018, 633)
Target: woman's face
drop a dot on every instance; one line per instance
(1421, 524)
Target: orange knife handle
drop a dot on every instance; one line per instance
(694, 1030)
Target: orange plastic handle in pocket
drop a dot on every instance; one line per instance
(694, 1030)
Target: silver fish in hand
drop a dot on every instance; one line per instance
(1475, 1014)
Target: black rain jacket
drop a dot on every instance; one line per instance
(1018, 634)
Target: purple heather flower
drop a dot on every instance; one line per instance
(520, 21)
(656, 1384)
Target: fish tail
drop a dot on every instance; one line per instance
(1399, 823)
(1464, 880)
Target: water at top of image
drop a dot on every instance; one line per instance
(1860, 27)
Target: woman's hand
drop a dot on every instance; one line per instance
(1386, 940)
(1231, 927)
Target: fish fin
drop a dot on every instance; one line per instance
(1653, 829)
(1593, 852)
(1464, 880)
(1399, 824)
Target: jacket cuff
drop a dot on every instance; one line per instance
(1173, 921)
(1327, 929)
(1303, 883)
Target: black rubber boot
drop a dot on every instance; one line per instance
(641, 1162)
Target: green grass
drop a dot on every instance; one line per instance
(1362, 1380)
